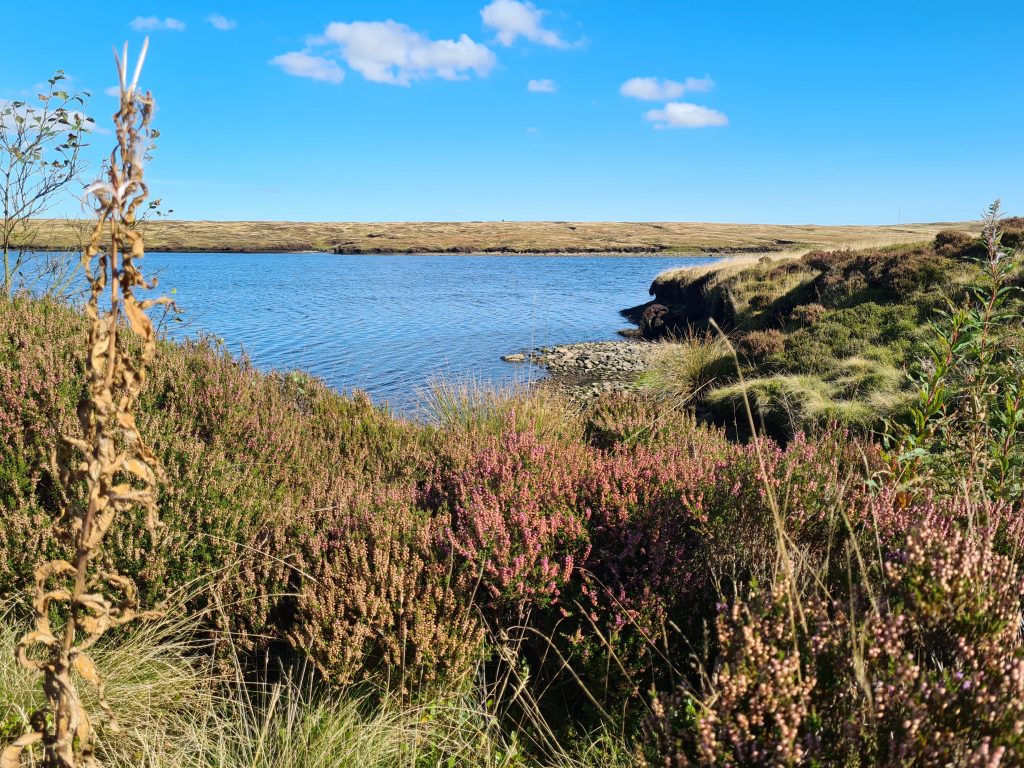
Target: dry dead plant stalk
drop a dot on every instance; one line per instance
(107, 470)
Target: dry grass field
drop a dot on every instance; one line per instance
(497, 237)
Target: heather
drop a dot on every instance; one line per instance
(515, 580)
(395, 555)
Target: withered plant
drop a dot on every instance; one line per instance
(105, 471)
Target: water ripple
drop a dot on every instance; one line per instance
(389, 323)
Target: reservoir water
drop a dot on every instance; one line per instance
(387, 324)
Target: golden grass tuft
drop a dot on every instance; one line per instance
(466, 405)
(685, 369)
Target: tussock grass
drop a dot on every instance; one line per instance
(179, 708)
(858, 391)
(686, 368)
(159, 678)
(467, 405)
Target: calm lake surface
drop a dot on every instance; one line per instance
(389, 323)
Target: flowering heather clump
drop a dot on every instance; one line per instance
(890, 514)
(648, 509)
(515, 522)
(643, 577)
(808, 314)
(670, 526)
(813, 478)
(933, 675)
(760, 344)
(378, 601)
(946, 660)
(815, 482)
(764, 711)
(38, 394)
(781, 694)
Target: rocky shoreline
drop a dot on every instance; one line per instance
(587, 369)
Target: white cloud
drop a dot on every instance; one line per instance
(223, 23)
(513, 19)
(153, 23)
(679, 114)
(302, 64)
(393, 53)
(542, 86)
(653, 89)
(114, 90)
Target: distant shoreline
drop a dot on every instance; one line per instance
(547, 238)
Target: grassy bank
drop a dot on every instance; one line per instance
(829, 336)
(493, 237)
(521, 583)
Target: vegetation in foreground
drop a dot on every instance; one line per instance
(520, 584)
(487, 237)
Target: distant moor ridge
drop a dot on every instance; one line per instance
(495, 237)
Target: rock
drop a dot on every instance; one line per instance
(652, 323)
(518, 357)
(586, 370)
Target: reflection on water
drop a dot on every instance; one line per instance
(388, 323)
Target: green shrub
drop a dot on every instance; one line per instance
(967, 420)
(841, 333)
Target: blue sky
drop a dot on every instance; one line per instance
(781, 112)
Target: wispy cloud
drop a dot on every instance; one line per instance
(392, 53)
(223, 23)
(542, 86)
(679, 114)
(154, 23)
(653, 89)
(513, 19)
(302, 64)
